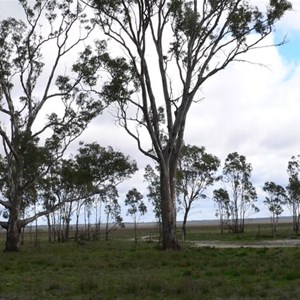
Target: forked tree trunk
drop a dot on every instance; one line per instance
(185, 217)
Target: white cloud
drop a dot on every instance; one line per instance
(247, 108)
(290, 21)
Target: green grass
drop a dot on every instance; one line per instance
(252, 232)
(118, 269)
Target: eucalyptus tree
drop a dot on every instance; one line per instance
(136, 208)
(112, 210)
(171, 48)
(45, 94)
(102, 166)
(276, 198)
(196, 171)
(242, 194)
(222, 200)
(293, 189)
(101, 171)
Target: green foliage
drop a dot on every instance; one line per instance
(276, 197)
(135, 203)
(222, 200)
(100, 165)
(275, 200)
(196, 171)
(241, 192)
(136, 207)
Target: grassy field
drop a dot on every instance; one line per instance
(119, 269)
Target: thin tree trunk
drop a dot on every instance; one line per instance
(106, 229)
(36, 241)
(222, 226)
(54, 229)
(297, 224)
(68, 220)
(135, 231)
(77, 221)
(49, 229)
(188, 203)
(184, 224)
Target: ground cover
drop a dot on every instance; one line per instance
(119, 269)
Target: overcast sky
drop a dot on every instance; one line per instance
(248, 108)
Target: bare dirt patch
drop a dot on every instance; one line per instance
(286, 243)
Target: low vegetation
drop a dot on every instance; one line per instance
(121, 269)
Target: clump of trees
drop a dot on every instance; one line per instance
(275, 200)
(86, 181)
(237, 201)
(234, 204)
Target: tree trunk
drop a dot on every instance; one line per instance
(135, 232)
(14, 222)
(77, 222)
(106, 226)
(297, 224)
(49, 228)
(13, 229)
(168, 211)
(184, 224)
(222, 226)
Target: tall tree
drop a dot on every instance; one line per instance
(242, 194)
(275, 200)
(196, 172)
(172, 47)
(42, 109)
(293, 189)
